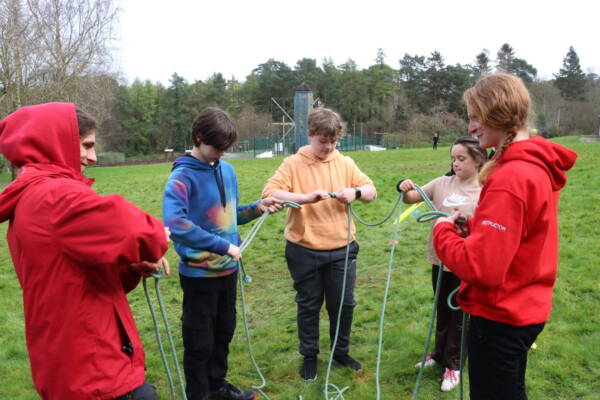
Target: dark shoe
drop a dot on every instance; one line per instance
(308, 371)
(230, 392)
(347, 361)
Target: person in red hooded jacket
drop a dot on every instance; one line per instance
(76, 254)
(508, 262)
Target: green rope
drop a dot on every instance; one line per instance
(335, 389)
(383, 307)
(393, 242)
(450, 296)
(429, 333)
(243, 278)
(226, 260)
(157, 278)
(398, 202)
(340, 392)
(159, 339)
(425, 217)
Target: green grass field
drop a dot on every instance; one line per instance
(566, 364)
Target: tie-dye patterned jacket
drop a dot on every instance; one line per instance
(200, 207)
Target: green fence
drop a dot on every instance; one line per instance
(349, 142)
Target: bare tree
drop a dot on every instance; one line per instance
(54, 50)
(17, 55)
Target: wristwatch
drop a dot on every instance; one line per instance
(358, 193)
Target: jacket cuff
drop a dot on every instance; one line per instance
(439, 227)
(222, 247)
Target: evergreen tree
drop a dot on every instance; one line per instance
(380, 88)
(436, 79)
(412, 76)
(307, 71)
(570, 80)
(505, 56)
(328, 85)
(276, 80)
(524, 70)
(354, 103)
(482, 64)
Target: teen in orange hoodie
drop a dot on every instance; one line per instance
(317, 234)
(508, 263)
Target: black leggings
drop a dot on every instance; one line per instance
(498, 358)
(448, 327)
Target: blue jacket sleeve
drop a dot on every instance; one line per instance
(183, 230)
(248, 212)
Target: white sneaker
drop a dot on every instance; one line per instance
(429, 362)
(451, 379)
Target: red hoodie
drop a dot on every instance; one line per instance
(69, 247)
(508, 263)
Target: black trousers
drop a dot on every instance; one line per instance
(144, 392)
(208, 324)
(318, 275)
(498, 359)
(448, 327)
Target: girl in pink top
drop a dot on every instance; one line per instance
(458, 190)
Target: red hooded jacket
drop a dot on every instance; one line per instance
(508, 263)
(69, 247)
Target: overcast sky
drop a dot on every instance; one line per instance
(196, 38)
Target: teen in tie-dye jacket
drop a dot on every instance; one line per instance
(200, 207)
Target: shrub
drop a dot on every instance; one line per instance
(111, 157)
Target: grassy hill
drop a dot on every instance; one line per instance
(565, 365)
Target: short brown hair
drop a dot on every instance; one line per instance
(325, 122)
(214, 127)
(85, 122)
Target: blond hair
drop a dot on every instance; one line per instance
(500, 101)
(326, 122)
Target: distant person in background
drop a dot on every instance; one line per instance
(436, 139)
(76, 254)
(456, 190)
(508, 262)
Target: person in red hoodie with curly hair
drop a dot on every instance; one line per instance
(76, 254)
(508, 263)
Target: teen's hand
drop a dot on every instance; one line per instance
(406, 185)
(459, 221)
(234, 252)
(345, 196)
(145, 268)
(165, 265)
(270, 204)
(315, 196)
(168, 234)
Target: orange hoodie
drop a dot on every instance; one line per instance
(322, 225)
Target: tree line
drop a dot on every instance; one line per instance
(59, 50)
